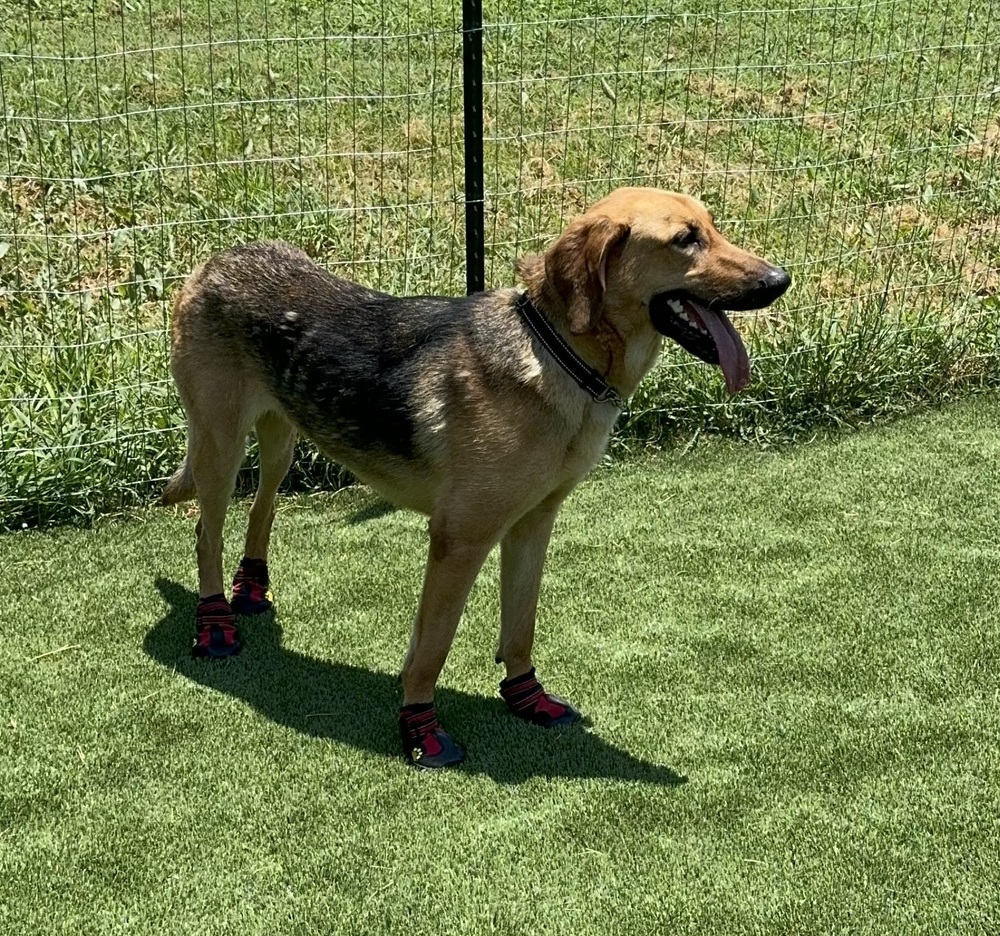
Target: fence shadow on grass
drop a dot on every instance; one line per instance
(356, 706)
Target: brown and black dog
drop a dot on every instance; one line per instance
(482, 412)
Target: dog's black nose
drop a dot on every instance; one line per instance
(776, 280)
(770, 285)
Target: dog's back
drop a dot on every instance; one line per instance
(365, 375)
(343, 361)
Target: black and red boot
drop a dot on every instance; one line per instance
(425, 743)
(215, 633)
(527, 699)
(250, 587)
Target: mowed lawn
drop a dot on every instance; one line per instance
(789, 659)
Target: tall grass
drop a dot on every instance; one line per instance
(856, 144)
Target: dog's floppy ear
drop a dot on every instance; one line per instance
(576, 267)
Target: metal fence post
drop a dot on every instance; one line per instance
(472, 95)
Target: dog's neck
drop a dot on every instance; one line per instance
(621, 359)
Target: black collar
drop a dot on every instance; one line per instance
(567, 358)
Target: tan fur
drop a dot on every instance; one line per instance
(504, 434)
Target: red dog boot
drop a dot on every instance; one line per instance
(215, 634)
(526, 698)
(250, 587)
(425, 743)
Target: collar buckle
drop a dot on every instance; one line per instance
(587, 378)
(609, 395)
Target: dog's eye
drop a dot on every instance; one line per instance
(689, 237)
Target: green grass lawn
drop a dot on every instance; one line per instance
(788, 658)
(856, 143)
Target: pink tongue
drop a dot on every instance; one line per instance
(733, 357)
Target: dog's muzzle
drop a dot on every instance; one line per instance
(703, 329)
(769, 288)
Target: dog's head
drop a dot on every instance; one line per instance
(642, 260)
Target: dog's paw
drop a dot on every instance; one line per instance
(251, 591)
(425, 743)
(526, 698)
(216, 636)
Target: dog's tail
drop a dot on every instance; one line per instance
(180, 487)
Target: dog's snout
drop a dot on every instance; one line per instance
(774, 282)
(765, 289)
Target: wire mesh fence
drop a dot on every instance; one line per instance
(856, 143)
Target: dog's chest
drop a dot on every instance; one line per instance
(589, 443)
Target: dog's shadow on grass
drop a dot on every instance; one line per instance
(356, 706)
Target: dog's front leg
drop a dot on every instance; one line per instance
(522, 556)
(458, 547)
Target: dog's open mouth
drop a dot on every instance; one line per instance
(705, 333)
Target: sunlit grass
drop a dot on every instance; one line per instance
(856, 144)
(789, 661)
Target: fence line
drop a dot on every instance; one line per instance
(858, 144)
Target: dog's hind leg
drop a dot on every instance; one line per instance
(522, 556)
(215, 454)
(276, 438)
(216, 448)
